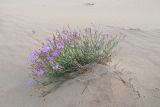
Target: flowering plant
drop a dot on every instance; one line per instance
(69, 50)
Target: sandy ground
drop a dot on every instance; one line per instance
(132, 81)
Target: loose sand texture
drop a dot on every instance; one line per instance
(131, 80)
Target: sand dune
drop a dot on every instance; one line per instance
(136, 82)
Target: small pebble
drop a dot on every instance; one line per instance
(89, 4)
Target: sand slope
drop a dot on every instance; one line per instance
(23, 23)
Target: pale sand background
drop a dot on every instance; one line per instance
(24, 22)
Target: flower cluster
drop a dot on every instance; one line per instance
(67, 51)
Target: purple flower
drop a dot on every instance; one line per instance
(69, 41)
(44, 50)
(101, 42)
(39, 72)
(42, 53)
(58, 38)
(60, 46)
(75, 34)
(29, 82)
(63, 33)
(55, 66)
(32, 57)
(52, 55)
(38, 65)
(48, 58)
(55, 53)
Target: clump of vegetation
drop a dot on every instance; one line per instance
(68, 51)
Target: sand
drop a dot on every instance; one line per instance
(133, 79)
